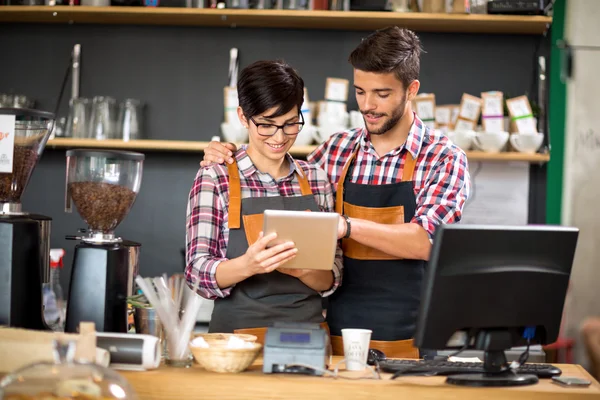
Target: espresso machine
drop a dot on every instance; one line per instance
(24, 237)
(103, 185)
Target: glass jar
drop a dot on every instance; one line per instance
(65, 379)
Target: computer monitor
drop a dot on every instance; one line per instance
(499, 284)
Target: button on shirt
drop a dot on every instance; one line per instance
(207, 215)
(441, 179)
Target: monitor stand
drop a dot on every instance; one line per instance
(493, 343)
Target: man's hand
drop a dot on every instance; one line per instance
(218, 153)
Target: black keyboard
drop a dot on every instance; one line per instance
(441, 367)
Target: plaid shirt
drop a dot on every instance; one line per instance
(441, 177)
(207, 215)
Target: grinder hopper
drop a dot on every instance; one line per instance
(103, 184)
(23, 136)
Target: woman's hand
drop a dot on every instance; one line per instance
(261, 260)
(218, 153)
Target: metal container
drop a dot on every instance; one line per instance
(147, 322)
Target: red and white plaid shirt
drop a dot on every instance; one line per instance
(441, 177)
(207, 215)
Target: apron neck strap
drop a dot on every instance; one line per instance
(409, 167)
(235, 192)
(235, 196)
(407, 174)
(303, 180)
(339, 199)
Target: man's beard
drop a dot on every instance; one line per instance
(390, 123)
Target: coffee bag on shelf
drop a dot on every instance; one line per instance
(492, 111)
(468, 115)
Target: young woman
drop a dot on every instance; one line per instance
(225, 249)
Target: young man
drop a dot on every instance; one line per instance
(396, 181)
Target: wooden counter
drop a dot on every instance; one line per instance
(196, 383)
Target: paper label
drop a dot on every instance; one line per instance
(443, 115)
(518, 106)
(425, 109)
(526, 125)
(7, 143)
(336, 89)
(492, 103)
(454, 117)
(470, 108)
(332, 108)
(464, 125)
(493, 124)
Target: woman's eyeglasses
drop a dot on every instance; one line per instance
(289, 129)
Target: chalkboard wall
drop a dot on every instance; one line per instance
(179, 73)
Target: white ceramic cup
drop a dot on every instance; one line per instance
(306, 135)
(490, 142)
(356, 348)
(234, 132)
(463, 139)
(356, 120)
(323, 132)
(527, 142)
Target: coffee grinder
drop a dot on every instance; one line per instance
(103, 185)
(24, 237)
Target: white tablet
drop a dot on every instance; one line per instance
(313, 233)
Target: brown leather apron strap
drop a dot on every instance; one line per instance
(261, 332)
(303, 180)
(235, 192)
(235, 196)
(409, 167)
(392, 349)
(339, 199)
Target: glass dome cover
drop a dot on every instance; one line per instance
(65, 379)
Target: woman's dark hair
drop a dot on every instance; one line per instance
(387, 50)
(266, 84)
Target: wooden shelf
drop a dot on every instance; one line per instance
(302, 19)
(298, 151)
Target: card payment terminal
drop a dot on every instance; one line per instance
(301, 348)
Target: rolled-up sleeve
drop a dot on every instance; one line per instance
(206, 242)
(444, 194)
(326, 201)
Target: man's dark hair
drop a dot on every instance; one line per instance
(387, 50)
(266, 84)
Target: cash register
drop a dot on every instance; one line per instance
(300, 348)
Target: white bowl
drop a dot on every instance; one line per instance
(526, 142)
(491, 142)
(463, 139)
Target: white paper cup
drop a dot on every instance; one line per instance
(356, 348)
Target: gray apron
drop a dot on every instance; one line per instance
(264, 298)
